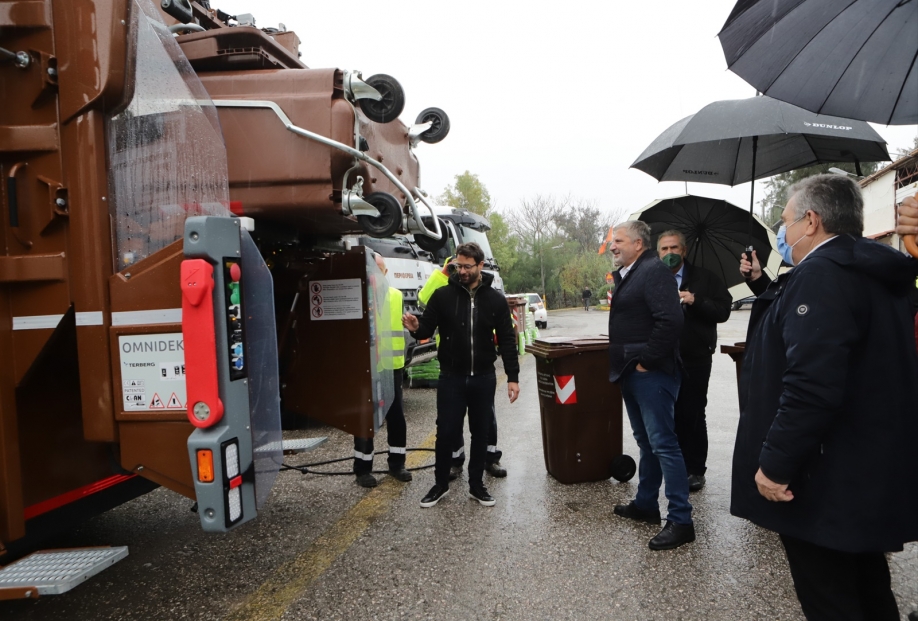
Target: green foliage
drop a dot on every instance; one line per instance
(586, 225)
(468, 192)
(503, 243)
(585, 269)
(776, 187)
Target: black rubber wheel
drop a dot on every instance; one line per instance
(392, 103)
(439, 127)
(390, 215)
(429, 243)
(623, 468)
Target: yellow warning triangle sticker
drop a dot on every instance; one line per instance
(156, 403)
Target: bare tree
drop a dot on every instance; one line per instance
(535, 221)
(586, 224)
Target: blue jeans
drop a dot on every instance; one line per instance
(650, 399)
(456, 395)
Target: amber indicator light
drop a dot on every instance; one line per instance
(205, 465)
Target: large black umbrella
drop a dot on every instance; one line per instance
(853, 58)
(716, 232)
(722, 141)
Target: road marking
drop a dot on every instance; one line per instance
(293, 578)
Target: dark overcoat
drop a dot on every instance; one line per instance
(711, 307)
(829, 401)
(645, 319)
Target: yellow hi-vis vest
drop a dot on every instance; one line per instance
(396, 336)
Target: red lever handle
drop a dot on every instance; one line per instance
(204, 407)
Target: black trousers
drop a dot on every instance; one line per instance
(491, 457)
(691, 426)
(840, 586)
(398, 434)
(456, 395)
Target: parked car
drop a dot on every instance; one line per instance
(540, 316)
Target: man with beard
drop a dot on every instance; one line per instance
(468, 312)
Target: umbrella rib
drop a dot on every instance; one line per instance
(739, 147)
(901, 89)
(758, 38)
(853, 56)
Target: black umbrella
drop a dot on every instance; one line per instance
(716, 232)
(723, 140)
(731, 142)
(853, 58)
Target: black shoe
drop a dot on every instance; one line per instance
(366, 480)
(455, 472)
(495, 470)
(672, 536)
(480, 493)
(913, 616)
(434, 495)
(632, 512)
(400, 474)
(695, 482)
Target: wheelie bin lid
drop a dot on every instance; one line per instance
(559, 346)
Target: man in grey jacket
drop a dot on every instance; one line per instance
(645, 322)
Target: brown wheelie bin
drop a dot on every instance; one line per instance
(581, 410)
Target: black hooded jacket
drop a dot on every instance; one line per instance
(829, 400)
(467, 326)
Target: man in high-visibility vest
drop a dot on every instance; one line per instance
(394, 340)
(437, 279)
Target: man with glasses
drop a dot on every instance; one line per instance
(825, 446)
(467, 312)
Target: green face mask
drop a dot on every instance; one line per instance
(672, 260)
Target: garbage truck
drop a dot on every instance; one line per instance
(178, 187)
(410, 260)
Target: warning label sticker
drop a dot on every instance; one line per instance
(152, 372)
(335, 299)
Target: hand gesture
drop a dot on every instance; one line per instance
(687, 297)
(513, 391)
(750, 270)
(908, 217)
(775, 492)
(410, 322)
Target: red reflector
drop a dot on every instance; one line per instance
(235, 482)
(236, 208)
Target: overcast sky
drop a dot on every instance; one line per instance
(540, 101)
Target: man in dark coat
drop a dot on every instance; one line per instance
(705, 303)
(829, 406)
(644, 325)
(468, 312)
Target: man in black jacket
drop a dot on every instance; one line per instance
(645, 321)
(827, 432)
(468, 312)
(705, 303)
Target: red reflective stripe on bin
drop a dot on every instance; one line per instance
(199, 334)
(235, 482)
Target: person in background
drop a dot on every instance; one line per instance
(467, 312)
(825, 447)
(437, 279)
(705, 303)
(586, 295)
(395, 418)
(645, 321)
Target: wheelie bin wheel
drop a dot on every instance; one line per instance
(392, 103)
(429, 243)
(390, 215)
(623, 468)
(439, 125)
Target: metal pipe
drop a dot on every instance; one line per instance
(245, 103)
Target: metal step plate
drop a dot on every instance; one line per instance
(303, 445)
(54, 572)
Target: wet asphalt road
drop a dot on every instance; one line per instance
(324, 548)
